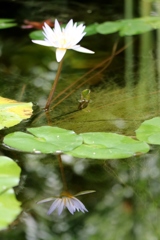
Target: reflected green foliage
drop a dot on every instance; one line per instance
(13, 112)
(7, 23)
(87, 145)
(45, 139)
(9, 177)
(149, 131)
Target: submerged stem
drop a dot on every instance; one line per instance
(62, 173)
(53, 86)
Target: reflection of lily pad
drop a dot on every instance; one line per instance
(9, 177)
(13, 112)
(149, 131)
(45, 139)
(108, 146)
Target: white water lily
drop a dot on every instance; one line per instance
(66, 200)
(63, 38)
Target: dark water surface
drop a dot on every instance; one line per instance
(124, 92)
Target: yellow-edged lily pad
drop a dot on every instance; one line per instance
(13, 112)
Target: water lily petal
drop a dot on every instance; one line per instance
(43, 43)
(63, 39)
(48, 32)
(60, 54)
(84, 192)
(46, 200)
(60, 207)
(57, 28)
(69, 26)
(78, 48)
(79, 205)
(70, 205)
(54, 205)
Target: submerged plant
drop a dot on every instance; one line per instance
(67, 200)
(62, 39)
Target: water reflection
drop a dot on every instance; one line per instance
(126, 202)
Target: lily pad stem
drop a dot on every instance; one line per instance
(62, 172)
(54, 86)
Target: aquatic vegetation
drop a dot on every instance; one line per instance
(13, 112)
(149, 131)
(98, 145)
(9, 178)
(125, 27)
(7, 23)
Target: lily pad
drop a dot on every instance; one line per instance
(9, 208)
(13, 112)
(45, 139)
(109, 27)
(9, 177)
(108, 146)
(149, 131)
(9, 173)
(37, 35)
(134, 26)
(129, 27)
(7, 23)
(91, 29)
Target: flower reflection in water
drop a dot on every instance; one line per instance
(67, 200)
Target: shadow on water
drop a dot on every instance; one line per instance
(123, 77)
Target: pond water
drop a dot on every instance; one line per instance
(123, 76)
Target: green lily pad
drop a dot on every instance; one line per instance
(108, 27)
(149, 131)
(9, 177)
(9, 173)
(91, 29)
(133, 27)
(13, 112)
(129, 27)
(44, 139)
(108, 146)
(37, 35)
(7, 23)
(9, 208)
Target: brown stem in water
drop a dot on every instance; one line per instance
(54, 86)
(62, 172)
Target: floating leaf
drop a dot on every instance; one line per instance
(36, 35)
(9, 173)
(13, 112)
(45, 139)
(7, 23)
(134, 26)
(129, 27)
(9, 177)
(108, 146)
(91, 29)
(109, 27)
(149, 131)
